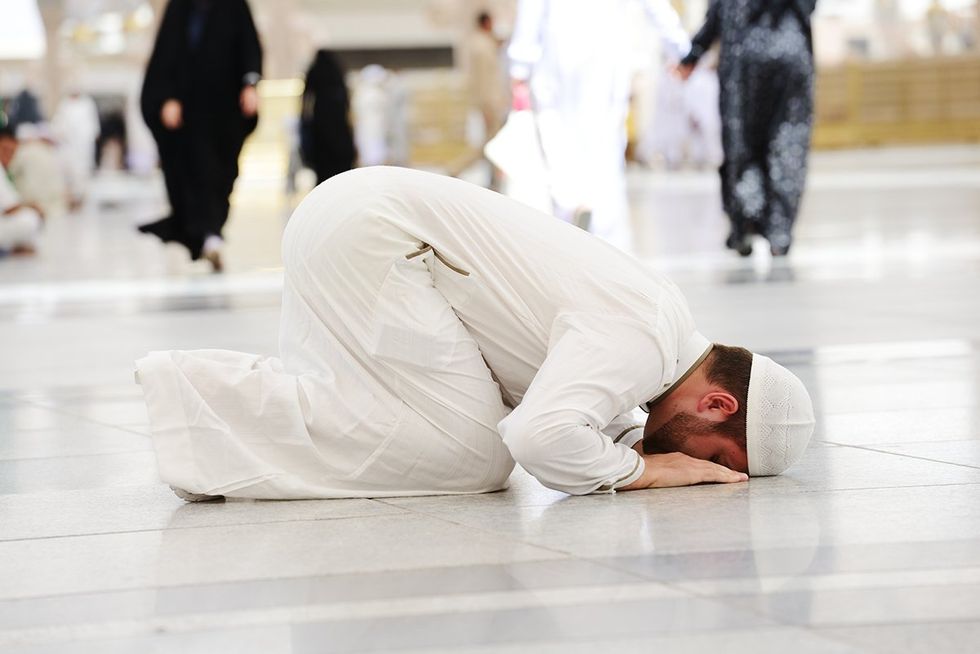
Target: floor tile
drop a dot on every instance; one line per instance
(875, 606)
(82, 439)
(145, 508)
(75, 472)
(964, 453)
(350, 594)
(900, 426)
(85, 564)
(753, 516)
(922, 638)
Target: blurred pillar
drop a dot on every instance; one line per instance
(286, 52)
(50, 86)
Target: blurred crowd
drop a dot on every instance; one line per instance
(558, 107)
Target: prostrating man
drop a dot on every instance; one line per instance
(572, 57)
(766, 71)
(20, 222)
(433, 332)
(199, 100)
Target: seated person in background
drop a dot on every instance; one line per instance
(37, 170)
(20, 222)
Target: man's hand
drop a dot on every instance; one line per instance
(684, 71)
(172, 114)
(676, 469)
(249, 101)
(520, 94)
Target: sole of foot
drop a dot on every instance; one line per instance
(188, 496)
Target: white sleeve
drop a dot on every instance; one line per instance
(668, 24)
(594, 372)
(626, 429)
(526, 42)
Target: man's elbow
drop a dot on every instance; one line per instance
(518, 436)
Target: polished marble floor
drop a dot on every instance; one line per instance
(870, 544)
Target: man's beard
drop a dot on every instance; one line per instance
(674, 434)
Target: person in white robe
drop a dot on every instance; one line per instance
(76, 126)
(20, 222)
(370, 107)
(37, 170)
(573, 56)
(701, 110)
(433, 333)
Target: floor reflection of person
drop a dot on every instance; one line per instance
(200, 101)
(766, 72)
(572, 58)
(434, 332)
(326, 135)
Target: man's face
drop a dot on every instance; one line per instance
(8, 147)
(697, 437)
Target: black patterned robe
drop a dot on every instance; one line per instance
(766, 73)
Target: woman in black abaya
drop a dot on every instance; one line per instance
(200, 102)
(326, 137)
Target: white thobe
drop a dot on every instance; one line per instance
(418, 310)
(20, 227)
(76, 125)
(40, 176)
(575, 54)
(370, 108)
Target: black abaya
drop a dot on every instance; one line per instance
(204, 54)
(326, 136)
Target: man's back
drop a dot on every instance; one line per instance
(510, 273)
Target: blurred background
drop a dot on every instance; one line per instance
(890, 72)
(897, 108)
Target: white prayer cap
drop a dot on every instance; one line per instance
(778, 418)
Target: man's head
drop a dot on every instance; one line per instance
(484, 21)
(741, 410)
(8, 146)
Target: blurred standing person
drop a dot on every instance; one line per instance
(326, 136)
(765, 68)
(487, 82)
(399, 119)
(371, 116)
(200, 101)
(701, 111)
(570, 60)
(487, 85)
(24, 108)
(76, 127)
(37, 171)
(20, 221)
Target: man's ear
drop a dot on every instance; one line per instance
(719, 403)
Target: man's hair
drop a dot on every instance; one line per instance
(483, 18)
(730, 368)
(7, 133)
